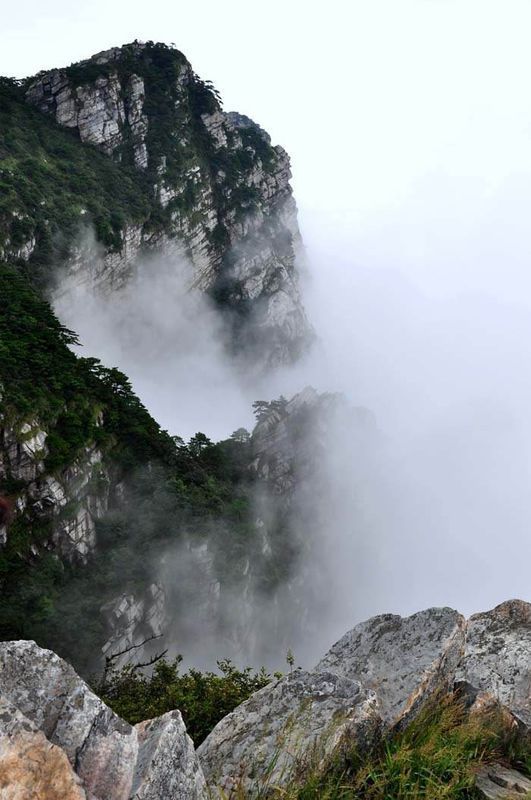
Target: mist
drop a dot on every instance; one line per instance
(435, 510)
(445, 368)
(168, 340)
(412, 170)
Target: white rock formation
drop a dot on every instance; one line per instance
(403, 659)
(286, 727)
(497, 658)
(86, 750)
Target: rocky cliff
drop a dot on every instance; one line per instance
(253, 590)
(198, 184)
(380, 678)
(103, 163)
(111, 522)
(108, 523)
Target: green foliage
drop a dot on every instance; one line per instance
(78, 403)
(434, 758)
(172, 488)
(76, 400)
(51, 187)
(203, 698)
(51, 184)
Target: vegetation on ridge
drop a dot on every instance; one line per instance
(203, 698)
(436, 757)
(52, 186)
(174, 489)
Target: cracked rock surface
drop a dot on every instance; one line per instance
(377, 677)
(56, 733)
(48, 709)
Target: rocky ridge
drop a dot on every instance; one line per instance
(376, 678)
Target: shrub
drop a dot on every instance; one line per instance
(203, 698)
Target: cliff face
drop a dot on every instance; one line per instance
(217, 192)
(70, 500)
(103, 163)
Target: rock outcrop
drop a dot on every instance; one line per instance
(54, 729)
(404, 660)
(289, 726)
(70, 499)
(496, 782)
(30, 766)
(220, 190)
(57, 736)
(134, 619)
(497, 659)
(375, 679)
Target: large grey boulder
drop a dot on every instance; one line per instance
(404, 660)
(378, 677)
(497, 658)
(288, 725)
(112, 759)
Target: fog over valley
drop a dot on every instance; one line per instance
(415, 278)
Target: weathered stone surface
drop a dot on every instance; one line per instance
(133, 619)
(497, 658)
(49, 693)
(31, 768)
(167, 766)
(297, 720)
(72, 499)
(113, 760)
(405, 660)
(496, 782)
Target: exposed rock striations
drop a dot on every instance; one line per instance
(220, 192)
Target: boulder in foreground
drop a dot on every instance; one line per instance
(85, 749)
(378, 678)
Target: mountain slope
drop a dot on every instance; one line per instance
(180, 177)
(102, 164)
